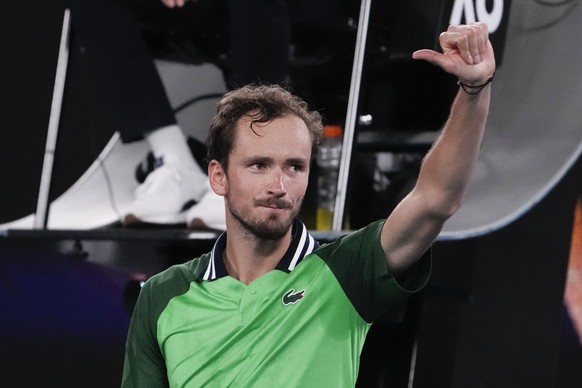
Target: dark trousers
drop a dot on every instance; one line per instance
(109, 33)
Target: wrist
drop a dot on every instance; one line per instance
(473, 88)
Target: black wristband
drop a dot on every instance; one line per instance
(474, 89)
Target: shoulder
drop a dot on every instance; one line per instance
(363, 241)
(175, 280)
(187, 271)
(159, 290)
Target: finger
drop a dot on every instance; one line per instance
(477, 38)
(472, 34)
(482, 35)
(455, 41)
(476, 35)
(424, 54)
(431, 56)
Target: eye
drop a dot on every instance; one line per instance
(297, 167)
(259, 163)
(257, 166)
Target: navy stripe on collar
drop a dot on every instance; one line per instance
(302, 244)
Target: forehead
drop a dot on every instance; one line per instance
(286, 131)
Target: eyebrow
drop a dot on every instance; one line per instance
(266, 159)
(297, 161)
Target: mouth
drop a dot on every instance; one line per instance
(275, 204)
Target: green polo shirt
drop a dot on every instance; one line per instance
(300, 325)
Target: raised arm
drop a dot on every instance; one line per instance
(446, 170)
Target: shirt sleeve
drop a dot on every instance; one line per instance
(144, 364)
(357, 261)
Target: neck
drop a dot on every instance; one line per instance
(246, 261)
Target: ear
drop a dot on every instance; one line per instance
(217, 177)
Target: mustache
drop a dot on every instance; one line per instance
(278, 203)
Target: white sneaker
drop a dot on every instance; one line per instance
(208, 213)
(166, 194)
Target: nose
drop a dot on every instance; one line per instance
(277, 186)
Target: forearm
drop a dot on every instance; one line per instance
(448, 166)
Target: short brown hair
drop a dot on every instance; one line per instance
(266, 102)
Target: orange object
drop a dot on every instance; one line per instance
(573, 291)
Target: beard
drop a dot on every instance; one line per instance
(269, 229)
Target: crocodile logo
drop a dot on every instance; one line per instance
(291, 297)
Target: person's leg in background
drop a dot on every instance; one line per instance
(112, 43)
(260, 39)
(259, 32)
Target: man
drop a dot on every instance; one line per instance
(267, 307)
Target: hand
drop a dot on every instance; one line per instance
(174, 3)
(467, 53)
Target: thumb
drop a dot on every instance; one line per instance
(428, 55)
